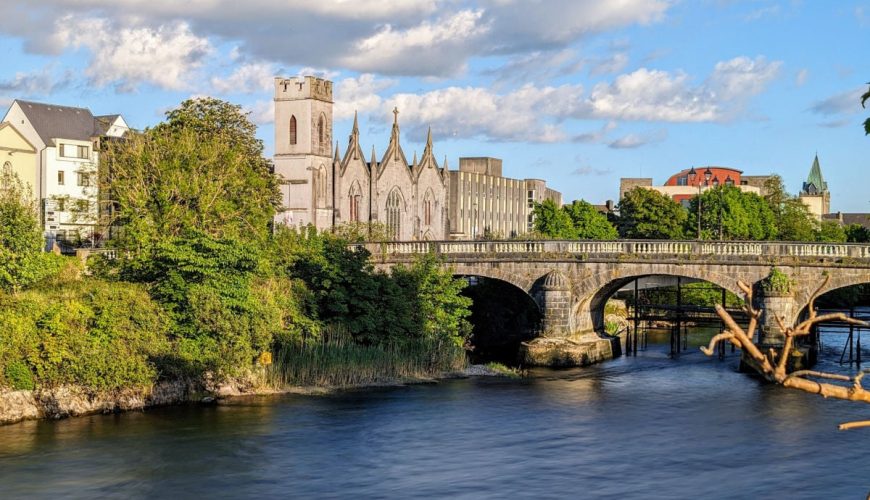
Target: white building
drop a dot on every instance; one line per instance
(67, 144)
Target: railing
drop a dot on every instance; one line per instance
(624, 247)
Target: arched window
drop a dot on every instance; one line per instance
(320, 187)
(427, 209)
(293, 130)
(7, 169)
(320, 132)
(394, 214)
(354, 198)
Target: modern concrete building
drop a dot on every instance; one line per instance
(66, 140)
(482, 201)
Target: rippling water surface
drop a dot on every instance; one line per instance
(645, 427)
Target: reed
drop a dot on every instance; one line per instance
(335, 360)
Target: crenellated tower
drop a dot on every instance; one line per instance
(304, 162)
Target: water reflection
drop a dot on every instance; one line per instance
(645, 427)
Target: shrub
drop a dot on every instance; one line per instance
(18, 376)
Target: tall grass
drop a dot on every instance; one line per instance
(335, 360)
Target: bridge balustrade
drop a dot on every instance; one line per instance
(624, 247)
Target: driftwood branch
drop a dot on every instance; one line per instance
(773, 366)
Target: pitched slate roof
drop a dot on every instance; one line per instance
(62, 122)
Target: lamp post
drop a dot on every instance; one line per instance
(707, 175)
(692, 176)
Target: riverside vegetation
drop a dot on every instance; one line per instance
(202, 288)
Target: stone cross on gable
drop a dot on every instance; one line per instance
(396, 115)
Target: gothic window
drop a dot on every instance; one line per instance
(320, 132)
(7, 168)
(321, 187)
(293, 130)
(427, 209)
(394, 214)
(354, 198)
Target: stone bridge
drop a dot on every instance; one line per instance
(570, 281)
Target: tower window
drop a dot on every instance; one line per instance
(293, 130)
(320, 132)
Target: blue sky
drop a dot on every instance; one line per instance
(577, 92)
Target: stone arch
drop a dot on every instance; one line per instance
(838, 278)
(592, 293)
(494, 274)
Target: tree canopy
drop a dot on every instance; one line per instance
(864, 99)
(22, 261)
(739, 215)
(589, 223)
(794, 222)
(553, 222)
(648, 214)
(203, 170)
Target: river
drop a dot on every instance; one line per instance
(645, 427)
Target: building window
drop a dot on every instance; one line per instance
(427, 210)
(321, 136)
(531, 198)
(83, 179)
(60, 204)
(83, 152)
(353, 198)
(320, 187)
(293, 130)
(394, 214)
(531, 222)
(682, 181)
(60, 178)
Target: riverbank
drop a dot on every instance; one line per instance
(76, 401)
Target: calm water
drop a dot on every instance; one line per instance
(646, 427)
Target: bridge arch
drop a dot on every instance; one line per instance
(592, 293)
(836, 281)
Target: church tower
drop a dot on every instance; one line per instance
(303, 151)
(814, 193)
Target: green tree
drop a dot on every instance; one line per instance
(648, 214)
(831, 231)
(553, 222)
(201, 170)
(589, 223)
(22, 261)
(741, 216)
(856, 233)
(794, 222)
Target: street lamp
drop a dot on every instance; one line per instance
(692, 176)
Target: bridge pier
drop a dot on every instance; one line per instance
(560, 344)
(776, 305)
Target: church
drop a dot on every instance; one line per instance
(327, 189)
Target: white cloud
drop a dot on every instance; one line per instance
(246, 79)
(359, 94)
(262, 112)
(801, 78)
(742, 77)
(632, 141)
(165, 56)
(393, 37)
(36, 83)
(431, 47)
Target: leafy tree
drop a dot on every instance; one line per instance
(648, 214)
(856, 233)
(743, 216)
(794, 222)
(553, 222)
(831, 231)
(22, 261)
(589, 223)
(201, 170)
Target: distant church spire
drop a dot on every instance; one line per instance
(337, 157)
(815, 183)
(393, 148)
(355, 130)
